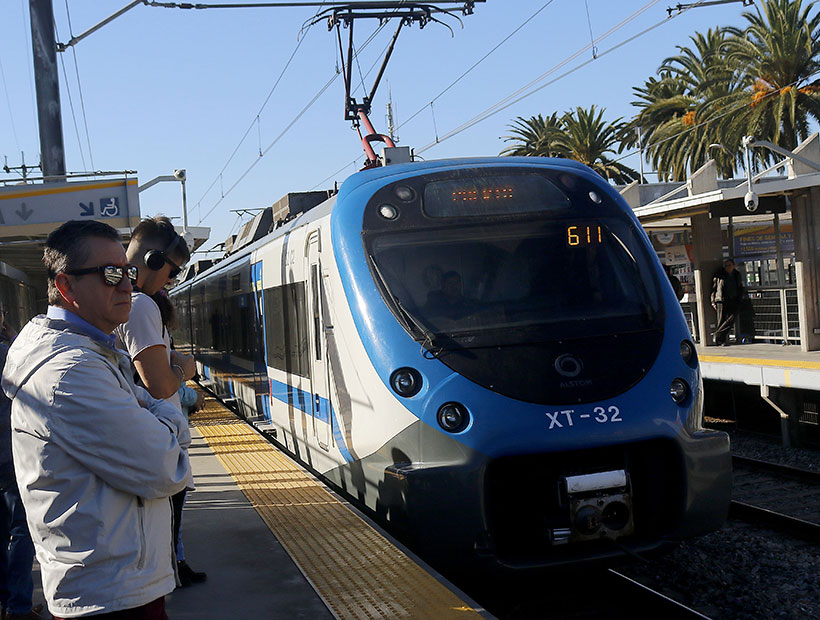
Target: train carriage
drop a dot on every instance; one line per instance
(485, 353)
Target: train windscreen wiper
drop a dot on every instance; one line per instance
(409, 322)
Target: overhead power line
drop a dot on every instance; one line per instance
(71, 104)
(478, 62)
(255, 120)
(79, 87)
(8, 102)
(279, 137)
(530, 88)
(271, 145)
(453, 83)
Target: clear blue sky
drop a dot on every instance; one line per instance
(170, 88)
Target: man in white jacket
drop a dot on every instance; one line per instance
(96, 458)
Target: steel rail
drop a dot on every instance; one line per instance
(791, 525)
(649, 602)
(797, 473)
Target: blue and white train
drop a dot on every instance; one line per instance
(485, 353)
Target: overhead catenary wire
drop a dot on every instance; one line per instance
(8, 102)
(478, 62)
(591, 37)
(530, 88)
(254, 120)
(79, 87)
(71, 102)
(270, 146)
(284, 131)
(29, 55)
(451, 85)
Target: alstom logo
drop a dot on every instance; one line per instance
(568, 365)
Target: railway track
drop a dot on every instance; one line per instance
(601, 594)
(642, 601)
(778, 496)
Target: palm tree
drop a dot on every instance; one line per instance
(581, 135)
(777, 54)
(677, 109)
(534, 137)
(587, 138)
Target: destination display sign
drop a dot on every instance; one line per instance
(37, 208)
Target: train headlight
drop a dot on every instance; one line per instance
(405, 382)
(388, 212)
(679, 390)
(687, 352)
(453, 417)
(404, 193)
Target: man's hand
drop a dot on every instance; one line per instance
(186, 362)
(200, 402)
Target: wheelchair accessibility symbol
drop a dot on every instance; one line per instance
(109, 207)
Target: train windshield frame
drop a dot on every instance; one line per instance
(574, 268)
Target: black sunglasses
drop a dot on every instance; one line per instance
(176, 268)
(112, 274)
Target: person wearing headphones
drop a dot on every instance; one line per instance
(160, 254)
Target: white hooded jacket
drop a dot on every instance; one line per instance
(95, 469)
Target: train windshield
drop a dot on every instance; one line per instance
(516, 282)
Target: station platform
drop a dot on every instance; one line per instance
(762, 364)
(277, 543)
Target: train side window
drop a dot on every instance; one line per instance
(286, 328)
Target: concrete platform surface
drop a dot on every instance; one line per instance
(249, 573)
(762, 364)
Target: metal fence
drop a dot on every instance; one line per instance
(775, 314)
(690, 313)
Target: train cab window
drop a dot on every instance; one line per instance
(552, 276)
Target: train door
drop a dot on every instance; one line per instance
(318, 375)
(261, 385)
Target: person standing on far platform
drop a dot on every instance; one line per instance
(727, 293)
(16, 548)
(160, 253)
(96, 458)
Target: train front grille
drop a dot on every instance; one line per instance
(532, 514)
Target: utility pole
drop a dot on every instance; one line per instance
(47, 85)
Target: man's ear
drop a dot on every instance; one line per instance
(63, 283)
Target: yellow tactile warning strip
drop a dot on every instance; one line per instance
(356, 571)
(754, 361)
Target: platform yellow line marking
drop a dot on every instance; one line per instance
(754, 361)
(356, 571)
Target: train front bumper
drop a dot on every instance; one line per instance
(507, 511)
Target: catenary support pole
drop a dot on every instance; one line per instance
(47, 85)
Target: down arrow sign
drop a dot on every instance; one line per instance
(24, 212)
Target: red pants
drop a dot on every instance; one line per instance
(155, 610)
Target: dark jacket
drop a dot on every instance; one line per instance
(727, 287)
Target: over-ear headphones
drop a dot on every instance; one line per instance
(155, 260)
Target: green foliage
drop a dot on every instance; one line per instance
(580, 134)
(730, 82)
(733, 82)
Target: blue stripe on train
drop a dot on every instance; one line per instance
(301, 400)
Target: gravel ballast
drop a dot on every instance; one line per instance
(743, 572)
